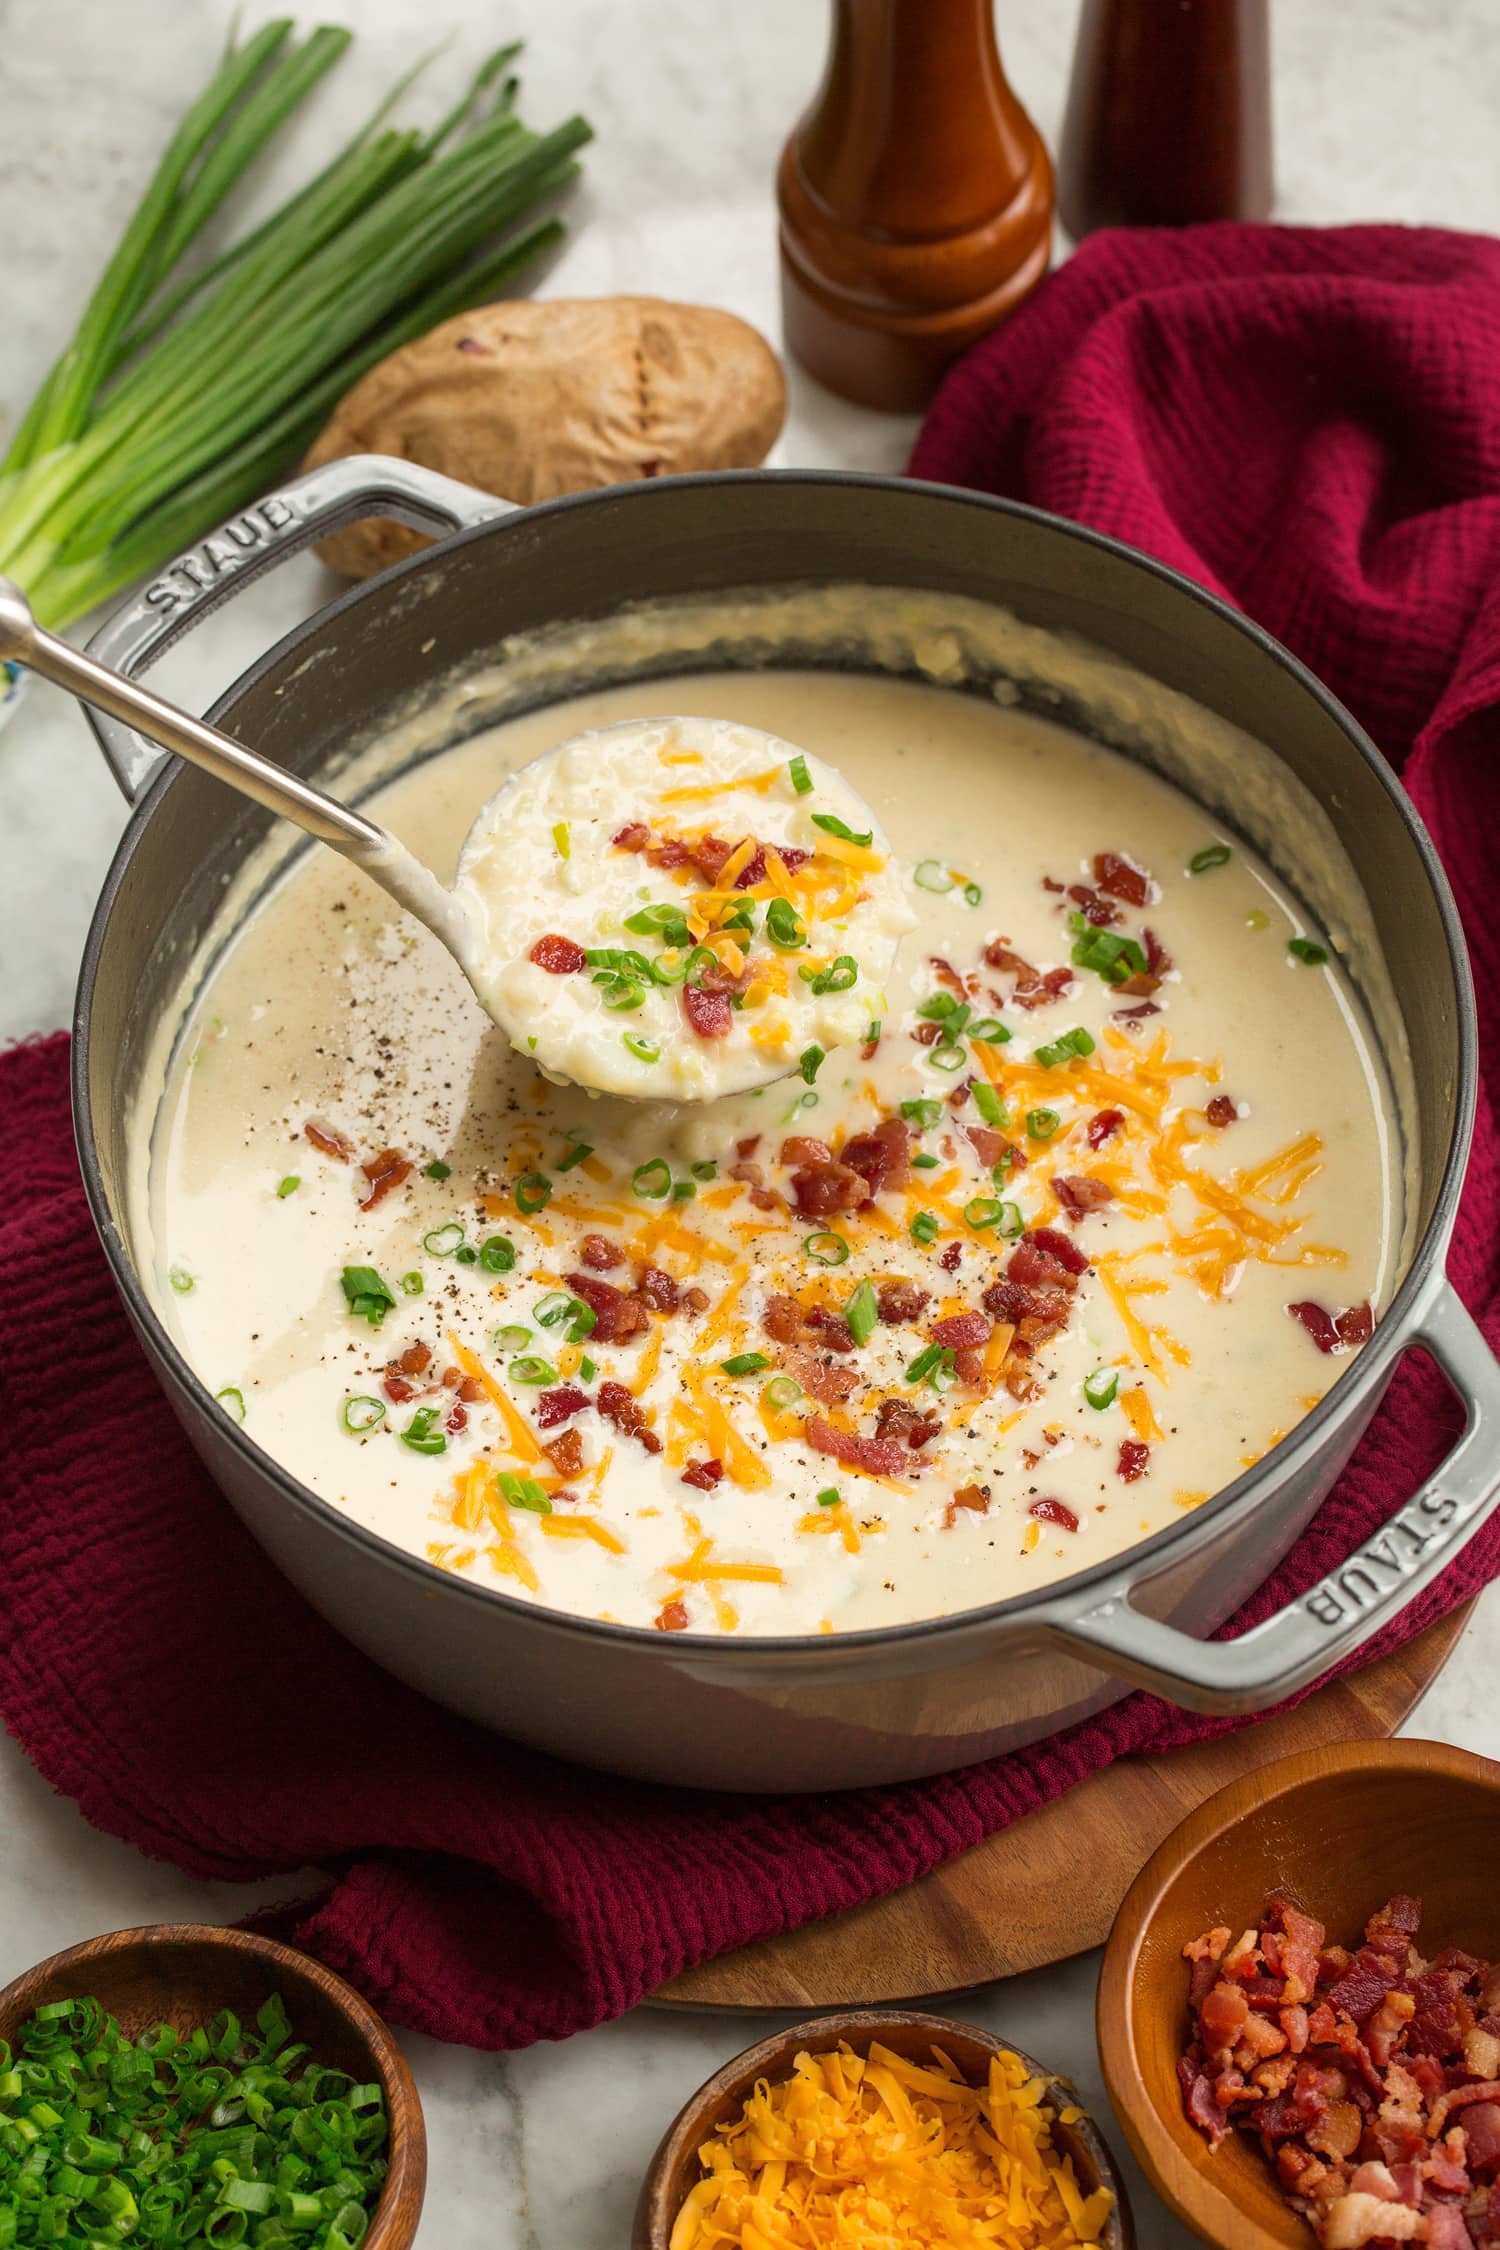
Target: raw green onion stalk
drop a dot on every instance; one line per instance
(184, 393)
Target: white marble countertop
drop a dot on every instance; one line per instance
(544, 2150)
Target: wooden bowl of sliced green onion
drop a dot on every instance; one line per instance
(185, 2082)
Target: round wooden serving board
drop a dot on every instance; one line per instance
(1020, 1900)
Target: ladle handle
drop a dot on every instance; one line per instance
(23, 639)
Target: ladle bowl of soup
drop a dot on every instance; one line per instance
(901, 1410)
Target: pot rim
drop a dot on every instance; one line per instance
(1033, 1610)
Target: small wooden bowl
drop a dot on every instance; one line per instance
(674, 2169)
(1336, 1831)
(184, 1973)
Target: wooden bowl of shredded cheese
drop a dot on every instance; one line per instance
(860, 2130)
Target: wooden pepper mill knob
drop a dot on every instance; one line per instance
(915, 200)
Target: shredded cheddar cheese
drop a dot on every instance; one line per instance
(883, 2153)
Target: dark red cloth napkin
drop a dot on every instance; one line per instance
(1310, 422)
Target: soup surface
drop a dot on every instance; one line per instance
(961, 1310)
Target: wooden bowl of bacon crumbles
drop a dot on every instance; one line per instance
(1299, 2015)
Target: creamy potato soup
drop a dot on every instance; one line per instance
(1091, 1214)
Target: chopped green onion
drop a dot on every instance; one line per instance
(947, 1058)
(532, 1369)
(366, 1294)
(783, 1391)
(924, 1227)
(810, 1060)
(574, 1153)
(939, 1006)
(973, 895)
(831, 825)
(587, 1370)
(826, 1248)
(182, 1281)
(707, 1170)
(872, 1032)
(289, 1185)
(925, 1163)
(991, 1030)
(644, 1050)
(523, 1492)
(668, 922)
(497, 1254)
(532, 1191)
(803, 1101)
(931, 1365)
(839, 976)
(436, 1170)
(945, 1374)
(653, 1181)
(363, 1413)
(785, 927)
(983, 1211)
(1041, 1124)
(562, 841)
(421, 1433)
(466, 1255)
(830, 1496)
(1010, 1221)
(923, 1114)
(700, 959)
(861, 1312)
(232, 1401)
(931, 875)
(741, 915)
(1305, 950)
(444, 1240)
(512, 1339)
(1100, 1387)
(1106, 952)
(745, 1363)
(1213, 855)
(988, 1103)
(802, 780)
(550, 1310)
(411, 1285)
(620, 995)
(683, 1191)
(1061, 1050)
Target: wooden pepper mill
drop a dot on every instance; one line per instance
(1169, 115)
(915, 200)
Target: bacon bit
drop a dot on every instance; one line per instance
(657, 1289)
(451, 1378)
(565, 1452)
(1335, 1332)
(559, 956)
(704, 1475)
(1158, 959)
(898, 1418)
(959, 1098)
(948, 976)
(1095, 908)
(883, 1157)
(961, 1331)
(1052, 1245)
(1222, 1110)
(618, 1315)
(1133, 1018)
(974, 1497)
(988, 1145)
(899, 1301)
(415, 1360)
(883, 1457)
(1048, 1510)
(1079, 1194)
(456, 1419)
(332, 1143)
(826, 1187)
(633, 837)
(671, 1618)
(693, 1301)
(747, 1147)
(668, 853)
(1047, 988)
(1132, 1461)
(398, 1390)
(1102, 1126)
(559, 1405)
(384, 1172)
(802, 1148)
(709, 1013)
(1121, 878)
(715, 979)
(951, 1258)
(869, 1048)
(829, 1329)
(829, 1385)
(598, 1251)
(624, 1409)
(927, 1034)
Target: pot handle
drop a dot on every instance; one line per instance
(253, 542)
(1340, 1613)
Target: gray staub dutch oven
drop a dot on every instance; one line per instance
(795, 1712)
